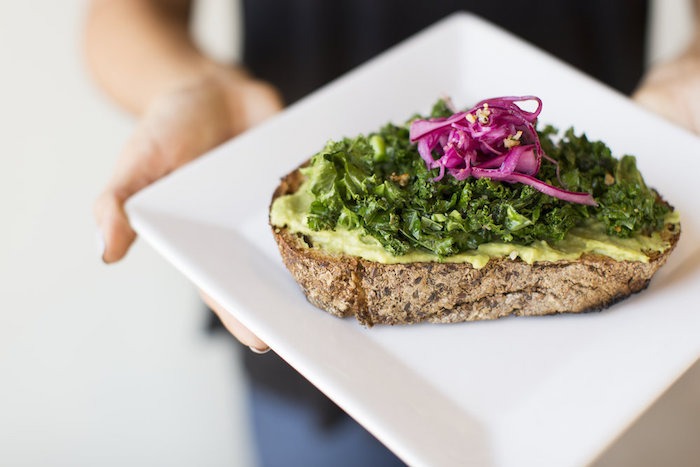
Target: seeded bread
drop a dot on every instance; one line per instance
(377, 293)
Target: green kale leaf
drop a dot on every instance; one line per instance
(378, 183)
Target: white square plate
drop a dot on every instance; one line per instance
(518, 391)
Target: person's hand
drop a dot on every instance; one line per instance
(179, 125)
(672, 89)
(240, 332)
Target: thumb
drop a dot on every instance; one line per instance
(134, 171)
(113, 226)
(657, 100)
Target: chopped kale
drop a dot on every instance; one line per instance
(379, 183)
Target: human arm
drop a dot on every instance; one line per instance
(141, 54)
(672, 88)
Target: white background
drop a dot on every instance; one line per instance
(111, 365)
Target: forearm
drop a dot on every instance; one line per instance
(136, 49)
(695, 41)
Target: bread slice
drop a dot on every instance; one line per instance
(377, 293)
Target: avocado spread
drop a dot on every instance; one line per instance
(373, 197)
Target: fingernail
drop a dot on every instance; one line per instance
(100, 244)
(259, 351)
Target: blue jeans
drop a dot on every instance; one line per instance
(289, 434)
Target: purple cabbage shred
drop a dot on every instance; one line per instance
(496, 139)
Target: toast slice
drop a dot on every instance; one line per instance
(378, 293)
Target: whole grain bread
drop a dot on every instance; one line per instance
(377, 293)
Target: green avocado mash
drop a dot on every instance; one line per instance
(373, 197)
(292, 211)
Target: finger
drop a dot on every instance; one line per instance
(655, 100)
(672, 107)
(240, 332)
(113, 226)
(260, 101)
(133, 172)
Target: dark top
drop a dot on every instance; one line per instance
(299, 45)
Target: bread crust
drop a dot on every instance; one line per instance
(377, 293)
